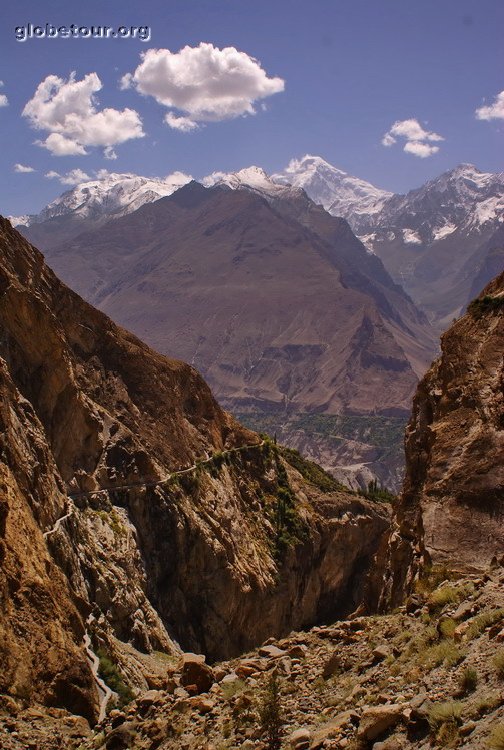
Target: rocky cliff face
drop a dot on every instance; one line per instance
(136, 512)
(452, 508)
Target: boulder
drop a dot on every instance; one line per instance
(332, 666)
(196, 673)
(272, 652)
(376, 720)
(300, 739)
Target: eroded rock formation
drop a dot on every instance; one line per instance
(452, 508)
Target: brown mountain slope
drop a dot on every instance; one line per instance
(150, 513)
(275, 302)
(452, 508)
(270, 311)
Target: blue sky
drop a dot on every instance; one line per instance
(351, 68)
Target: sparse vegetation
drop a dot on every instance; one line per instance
(270, 713)
(485, 704)
(447, 594)
(483, 621)
(496, 739)
(378, 493)
(445, 652)
(431, 578)
(498, 662)
(311, 471)
(110, 674)
(486, 304)
(289, 526)
(447, 627)
(468, 680)
(230, 689)
(444, 721)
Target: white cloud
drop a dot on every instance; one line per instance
(184, 124)
(204, 83)
(58, 145)
(68, 111)
(417, 139)
(494, 111)
(3, 100)
(213, 178)
(22, 169)
(73, 177)
(420, 149)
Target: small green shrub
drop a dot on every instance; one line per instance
(447, 627)
(483, 621)
(445, 713)
(431, 578)
(496, 739)
(485, 704)
(230, 689)
(111, 676)
(445, 595)
(445, 652)
(468, 680)
(499, 663)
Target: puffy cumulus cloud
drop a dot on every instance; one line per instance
(204, 83)
(68, 111)
(494, 111)
(417, 140)
(73, 177)
(3, 100)
(22, 169)
(420, 149)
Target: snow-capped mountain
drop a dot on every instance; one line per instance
(250, 178)
(338, 192)
(434, 240)
(463, 198)
(110, 194)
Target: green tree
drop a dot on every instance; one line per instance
(270, 713)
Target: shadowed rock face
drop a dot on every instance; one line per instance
(452, 507)
(209, 558)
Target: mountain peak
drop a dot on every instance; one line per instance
(338, 192)
(251, 178)
(108, 194)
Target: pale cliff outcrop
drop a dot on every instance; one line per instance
(451, 511)
(238, 547)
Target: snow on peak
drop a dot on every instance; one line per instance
(111, 194)
(337, 191)
(251, 178)
(464, 198)
(20, 221)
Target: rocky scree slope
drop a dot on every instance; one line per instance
(430, 675)
(134, 508)
(452, 507)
